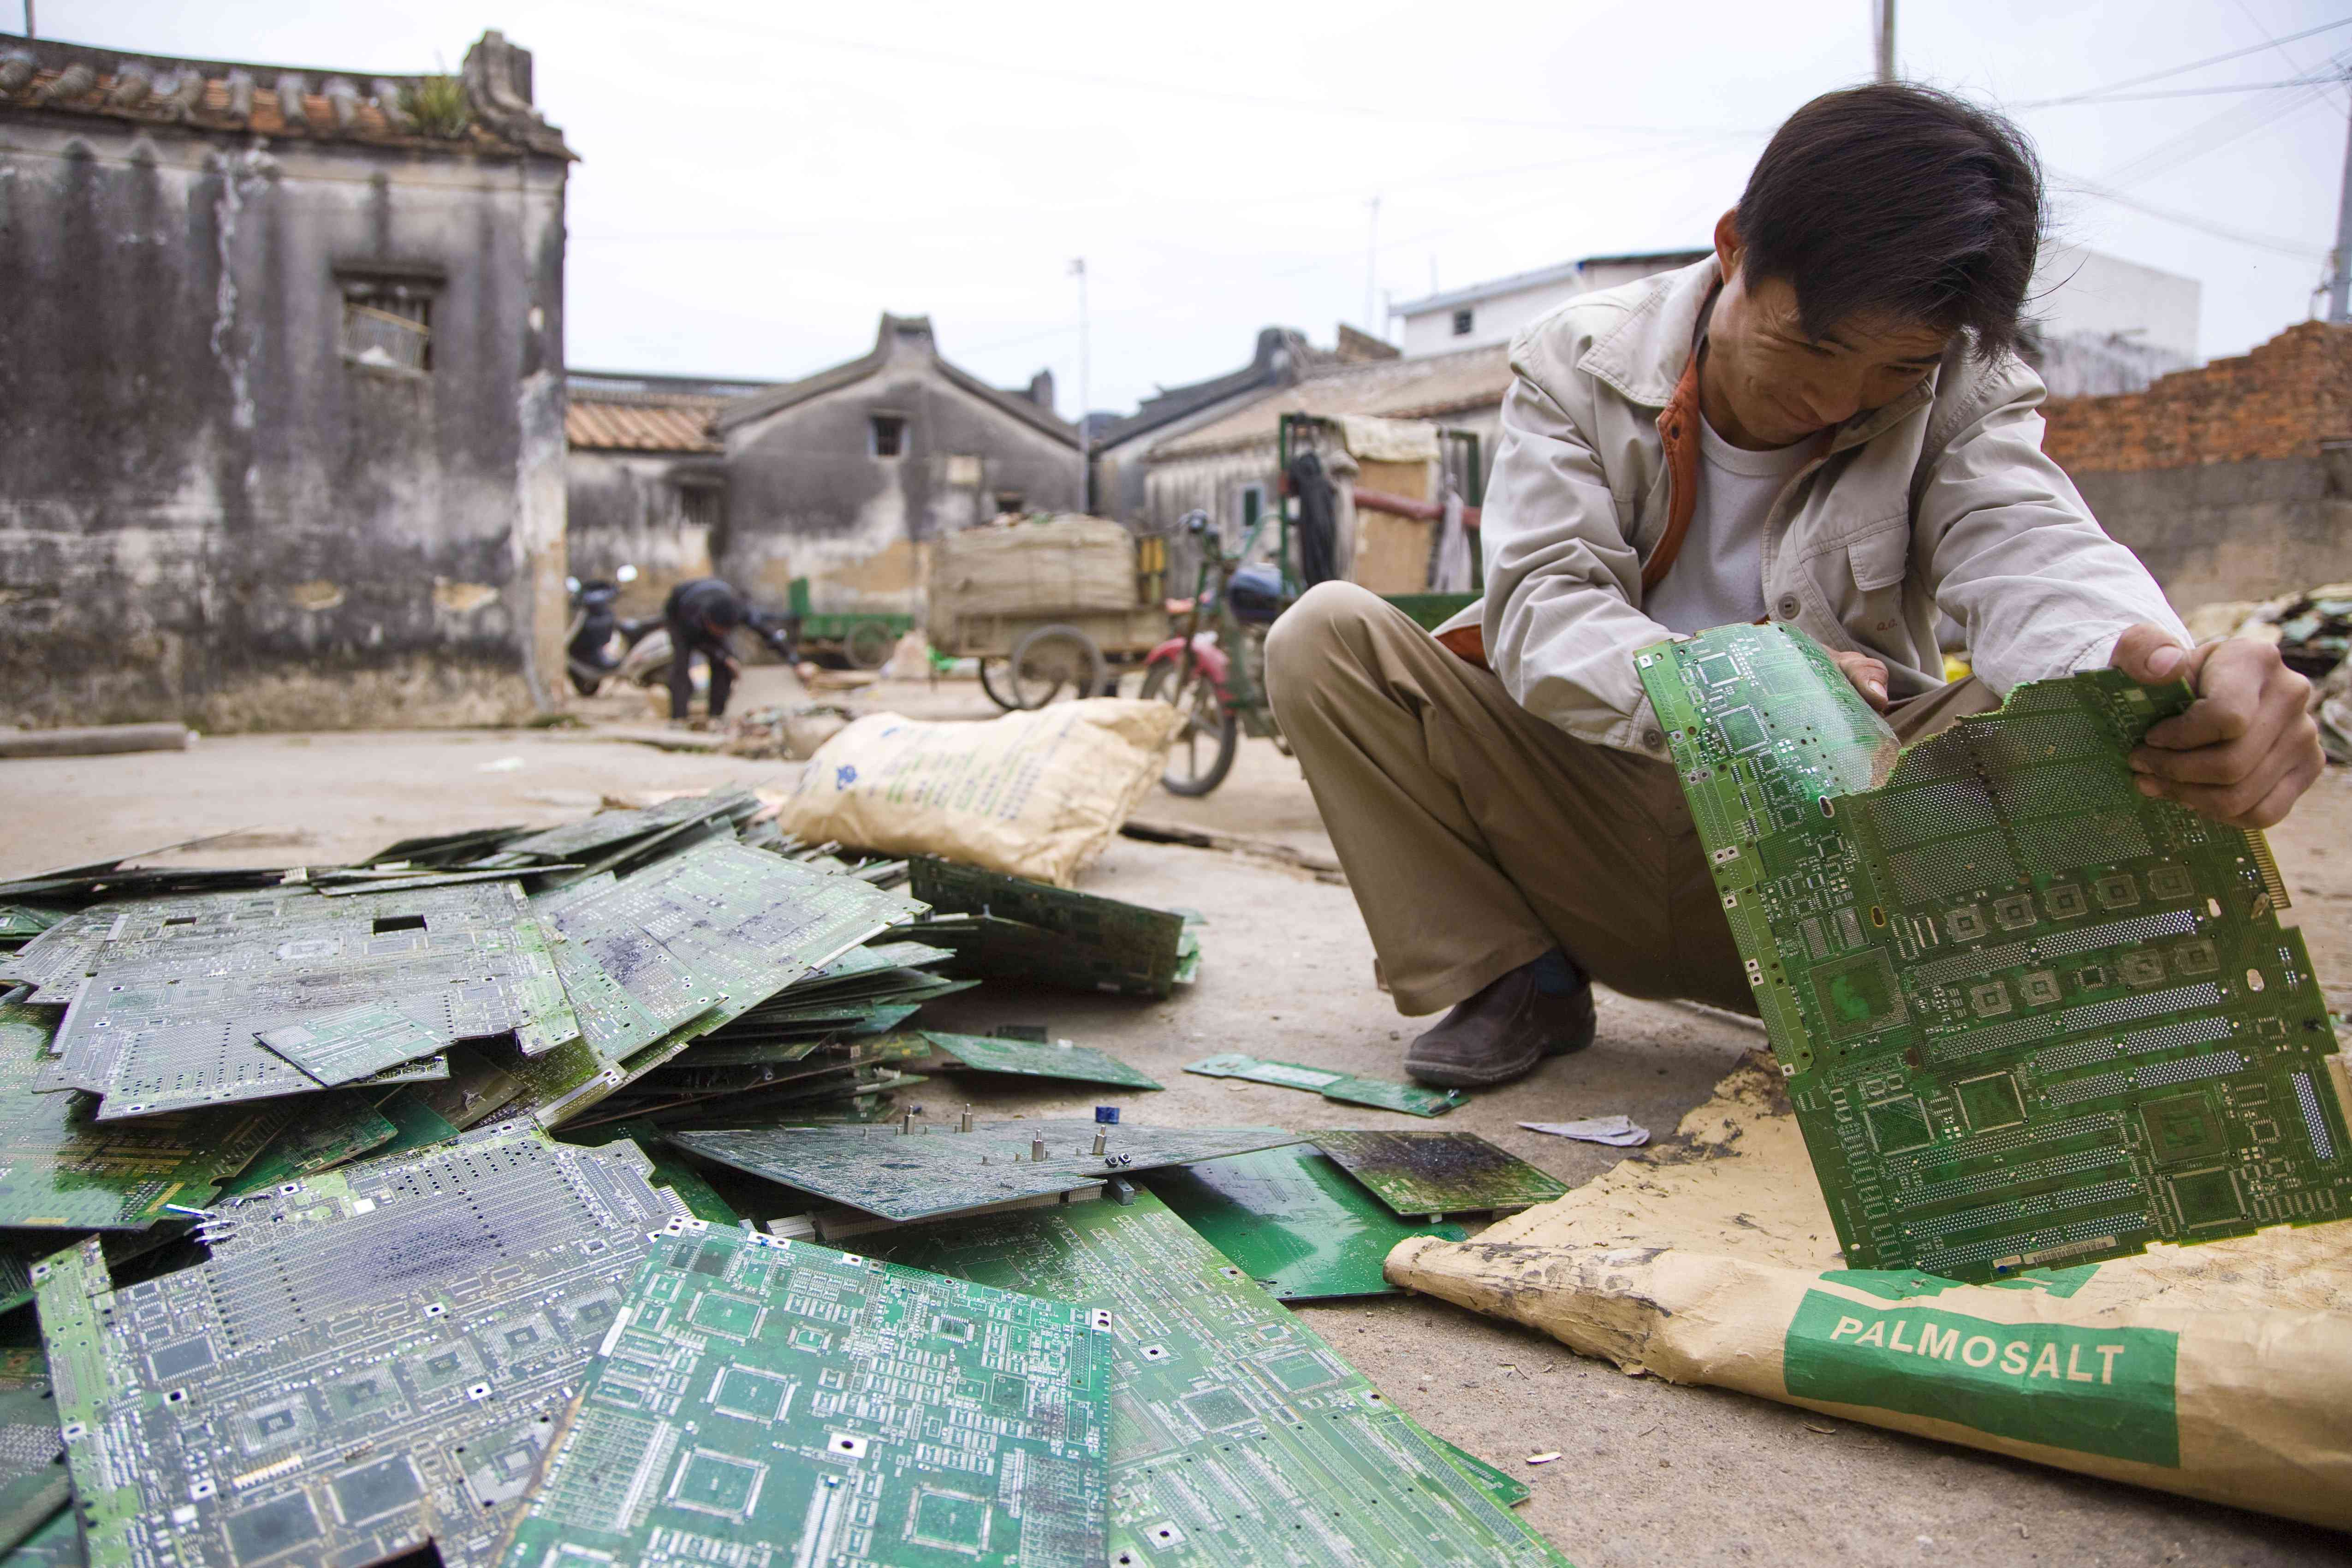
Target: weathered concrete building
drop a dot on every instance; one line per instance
(281, 391)
(844, 478)
(645, 481)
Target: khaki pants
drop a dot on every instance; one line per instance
(1477, 837)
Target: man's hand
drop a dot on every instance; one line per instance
(2245, 750)
(1868, 675)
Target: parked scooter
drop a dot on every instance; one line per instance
(590, 656)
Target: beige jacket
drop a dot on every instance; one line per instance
(1940, 501)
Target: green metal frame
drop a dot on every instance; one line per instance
(840, 626)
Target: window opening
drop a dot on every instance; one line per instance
(698, 505)
(388, 326)
(887, 434)
(1462, 323)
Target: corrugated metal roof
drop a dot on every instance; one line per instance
(641, 422)
(1428, 388)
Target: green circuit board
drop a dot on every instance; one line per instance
(2028, 1014)
(1438, 1173)
(1347, 1089)
(1019, 930)
(903, 1176)
(1293, 1220)
(369, 1358)
(329, 1129)
(766, 1401)
(167, 1017)
(62, 1168)
(1082, 1064)
(32, 1483)
(1239, 1438)
(57, 1544)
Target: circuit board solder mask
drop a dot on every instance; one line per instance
(2027, 1015)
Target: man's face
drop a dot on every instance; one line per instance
(1766, 382)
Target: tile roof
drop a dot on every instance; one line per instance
(1426, 388)
(640, 422)
(906, 338)
(41, 76)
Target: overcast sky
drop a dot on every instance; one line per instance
(758, 181)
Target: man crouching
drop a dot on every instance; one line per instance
(1822, 424)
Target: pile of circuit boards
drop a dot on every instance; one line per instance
(408, 1209)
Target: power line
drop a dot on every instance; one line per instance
(2279, 244)
(2206, 136)
(2184, 92)
(2191, 66)
(2263, 33)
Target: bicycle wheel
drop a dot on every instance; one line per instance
(1203, 753)
(1052, 660)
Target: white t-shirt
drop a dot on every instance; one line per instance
(1718, 578)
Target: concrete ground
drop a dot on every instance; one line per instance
(1651, 1473)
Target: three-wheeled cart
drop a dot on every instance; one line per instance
(1051, 607)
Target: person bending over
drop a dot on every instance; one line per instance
(700, 614)
(1823, 424)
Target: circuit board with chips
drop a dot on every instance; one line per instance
(167, 1019)
(370, 1358)
(707, 935)
(60, 1168)
(2028, 1014)
(904, 1176)
(772, 1401)
(1238, 1437)
(1022, 930)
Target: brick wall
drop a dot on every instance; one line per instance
(2279, 402)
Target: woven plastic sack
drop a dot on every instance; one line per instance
(2222, 1371)
(1036, 795)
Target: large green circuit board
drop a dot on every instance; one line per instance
(767, 1401)
(2028, 1014)
(167, 1015)
(370, 1358)
(1239, 1438)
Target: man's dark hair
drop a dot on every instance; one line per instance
(1897, 200)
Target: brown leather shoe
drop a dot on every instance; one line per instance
(1501, 1033)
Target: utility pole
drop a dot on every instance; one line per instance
(1085, 457)
(1881, 36)
(28, 20)
(2339, 288)
(1372, 262)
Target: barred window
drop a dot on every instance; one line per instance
(388, 326)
